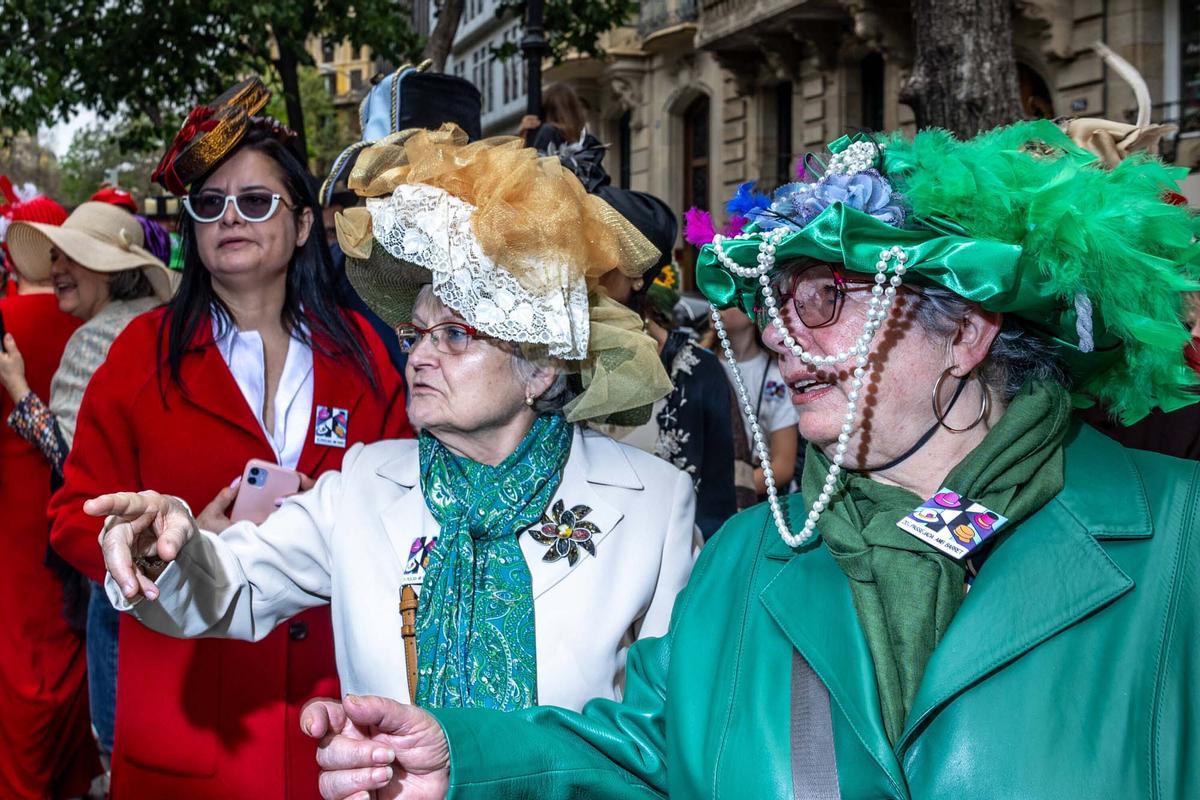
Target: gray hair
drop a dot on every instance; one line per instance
(530, 360)
(129, 284)
(1016, 355)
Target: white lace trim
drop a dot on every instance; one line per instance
(432, 229)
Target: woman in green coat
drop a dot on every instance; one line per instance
(974, 596)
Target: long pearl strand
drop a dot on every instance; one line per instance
(877, 311)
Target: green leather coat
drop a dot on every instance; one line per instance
(1072, 669)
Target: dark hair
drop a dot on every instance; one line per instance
(562, 108)
(312, 281)
(129, 284)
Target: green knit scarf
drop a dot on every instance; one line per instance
(905, 591)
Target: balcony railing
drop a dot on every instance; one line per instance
(658, 14)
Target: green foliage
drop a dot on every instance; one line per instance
(152, 61)
(572, 26)
(95, 151)
(326, 132)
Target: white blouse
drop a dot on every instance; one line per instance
(244, 355)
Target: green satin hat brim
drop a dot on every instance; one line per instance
(989, 273)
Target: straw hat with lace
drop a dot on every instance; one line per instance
(98, 236)
(514, 244)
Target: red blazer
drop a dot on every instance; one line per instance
(43, 671)
(207, 718)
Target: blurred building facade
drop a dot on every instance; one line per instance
(702, 95)
(347, 71)
(501, 82)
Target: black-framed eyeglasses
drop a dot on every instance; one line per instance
(449, 338)
(250, 206)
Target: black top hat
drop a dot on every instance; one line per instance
(429, 99)
(410, 98)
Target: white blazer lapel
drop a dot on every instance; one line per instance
(407, 521)
(593, 460)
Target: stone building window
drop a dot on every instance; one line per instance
(783, 133)
(695, 153)
(775, 134)
(513, 70)
(481, 75)
(1035, 94)
(696, 140)
(871, 76)
(625, 149)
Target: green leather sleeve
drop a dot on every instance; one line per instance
(610, 750)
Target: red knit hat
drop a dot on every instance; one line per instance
(39, 209)
(116, 197)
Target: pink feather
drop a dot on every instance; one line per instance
(735, 225)
(699, 228)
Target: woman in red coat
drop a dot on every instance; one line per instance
(257, 344)
(43, 687)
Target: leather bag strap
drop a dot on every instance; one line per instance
(408, 632)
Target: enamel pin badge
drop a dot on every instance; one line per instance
(418, 561)
(332, 426)
(954, 524)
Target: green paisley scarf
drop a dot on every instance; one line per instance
(905, 591)
(475, 632)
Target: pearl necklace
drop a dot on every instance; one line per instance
(877, 312)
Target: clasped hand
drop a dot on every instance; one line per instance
(145, 527)
(373, 747)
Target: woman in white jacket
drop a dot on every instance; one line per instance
(534, 551)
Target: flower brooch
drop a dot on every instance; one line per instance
(563, 531)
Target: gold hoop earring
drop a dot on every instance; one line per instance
(940, 414)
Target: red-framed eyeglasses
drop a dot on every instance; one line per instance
(450, 338)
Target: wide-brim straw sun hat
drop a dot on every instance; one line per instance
(98, 236)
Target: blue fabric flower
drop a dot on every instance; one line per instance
(797, 204)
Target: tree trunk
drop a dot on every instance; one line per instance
(289, 77)
(437, 49)
(964, 76)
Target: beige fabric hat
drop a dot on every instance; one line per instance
(98, 236)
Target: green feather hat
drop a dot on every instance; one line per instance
(1020, 220)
